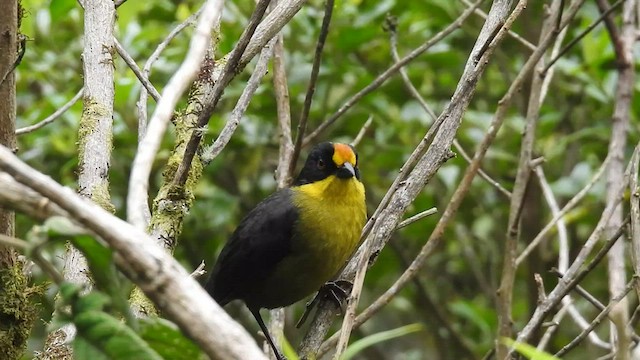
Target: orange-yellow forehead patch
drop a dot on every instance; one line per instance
(343, 153)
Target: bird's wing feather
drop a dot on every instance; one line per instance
(262, 239)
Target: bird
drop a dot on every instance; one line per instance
(295, 240)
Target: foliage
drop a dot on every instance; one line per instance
(455, 291)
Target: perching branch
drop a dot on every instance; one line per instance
(384, 224)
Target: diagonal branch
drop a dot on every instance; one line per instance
(231, 68)
(389, 216)
(148, 147)
(161, 277)
(311, 88)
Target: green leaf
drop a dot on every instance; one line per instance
(288, 351)
(168, 341)
(370, 340)
(104, 273)
(528, 351)
(101, 336)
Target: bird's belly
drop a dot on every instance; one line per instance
(318, 254)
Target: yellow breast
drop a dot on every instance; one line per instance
(331, 214)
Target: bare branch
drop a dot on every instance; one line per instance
(281, 91)
(53, 117)
(417, 217)
(311, 88)
(136, 70)
(581, 36)
(563, 256)
(211, 152)
(363, 130)
(402, 193)
(148, 147)
(150, 267)
(509, 266)
(231, 68)
(614, 301)
(557, 217)
(416, 95)
(574, 272)
(391, 71)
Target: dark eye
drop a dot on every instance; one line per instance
(321, 164)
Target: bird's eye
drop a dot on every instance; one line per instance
(321, 164)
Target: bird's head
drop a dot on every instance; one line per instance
(327, 159)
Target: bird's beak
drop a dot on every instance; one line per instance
(346, 171)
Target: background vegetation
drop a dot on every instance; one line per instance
(454, 296)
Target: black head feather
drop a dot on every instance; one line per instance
(320, 165)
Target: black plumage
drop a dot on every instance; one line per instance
(248, 259)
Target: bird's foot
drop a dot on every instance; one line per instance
(337, 291)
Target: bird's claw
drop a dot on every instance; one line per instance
(338, 291)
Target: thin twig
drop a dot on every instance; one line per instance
(311, 88)
(511, 33)
(146, 69)
(34, 254)
(592, 300)
(199, 271)
(568, 207)
(581, 35)
(563, 256)
(51, 118)
(417, 217)
(598, 318)
(363, 130)
(211, 152)
(416, 95)
(148, 147)
(136, 70)
(550, 28)
(391, 71)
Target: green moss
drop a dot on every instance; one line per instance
(144, 306)
(100, 195)
(92, 112)
(17, 311)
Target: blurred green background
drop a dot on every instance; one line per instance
(456, 289)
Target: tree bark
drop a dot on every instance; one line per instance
(16, 310)
(94, 141)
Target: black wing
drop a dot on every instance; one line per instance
(262, 239)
